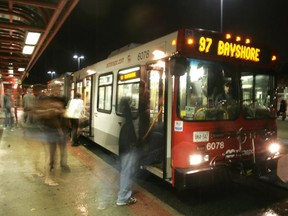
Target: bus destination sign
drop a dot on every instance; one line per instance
(229, 49)
(214, 45)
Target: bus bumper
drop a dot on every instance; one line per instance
(268, 166)
(186, 178)
(192, 178)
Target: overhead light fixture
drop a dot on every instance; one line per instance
(32, 38)
(21, 69)
(28, 49)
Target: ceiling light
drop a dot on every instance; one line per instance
(32, 38)
(28, 49)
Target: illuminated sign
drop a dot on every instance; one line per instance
(128, 76)
(229, 49)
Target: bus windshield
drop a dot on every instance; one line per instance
(211, 91)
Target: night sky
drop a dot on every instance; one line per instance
(95, 28)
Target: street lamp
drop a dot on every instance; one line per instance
(51, 73)
(221, 16)
(79, 59)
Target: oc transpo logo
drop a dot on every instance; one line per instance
(230, 153)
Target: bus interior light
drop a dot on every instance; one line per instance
(129, 70)
(91, 72)
(158, 54)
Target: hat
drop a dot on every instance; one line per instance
(228, 84)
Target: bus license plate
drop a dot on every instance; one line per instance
(200, 136)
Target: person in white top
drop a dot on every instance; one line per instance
(74, 112)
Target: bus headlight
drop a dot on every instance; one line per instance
(274, 148)
(197, 159)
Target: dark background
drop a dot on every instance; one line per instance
(97, 27)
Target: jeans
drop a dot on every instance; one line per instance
(28, 117)
(74, 131)
(8, 118)
(128, 168)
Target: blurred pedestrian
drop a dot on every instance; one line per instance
(74, 112)
(7, 106)
(64, 128)
(128, 156)
(48, 113)
(28, 103)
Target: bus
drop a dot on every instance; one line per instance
(185, 133)
(61, 86)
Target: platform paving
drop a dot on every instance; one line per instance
(89, 189)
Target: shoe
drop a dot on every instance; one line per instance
(50, 182)
(130, 201)
(51, 168)
(39, 174)
(65, 168)
(77, 144)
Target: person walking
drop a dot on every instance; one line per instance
(28, 103)
(7, 106)
(74, 111)
(48, 113)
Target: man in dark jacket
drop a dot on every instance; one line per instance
(128, 156)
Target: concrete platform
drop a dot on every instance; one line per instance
(89, 189)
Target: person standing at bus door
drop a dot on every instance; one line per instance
(28, 103)
(7, 106)
(64, 130)
(74, 112)
(128, 156)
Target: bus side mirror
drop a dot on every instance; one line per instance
(178, 65)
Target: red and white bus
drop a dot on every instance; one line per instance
(187, 133)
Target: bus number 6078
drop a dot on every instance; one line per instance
(215, 145)
(143, 55)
